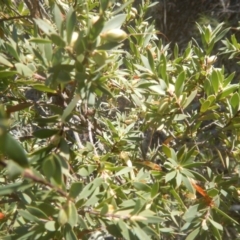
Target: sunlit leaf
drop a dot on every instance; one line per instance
(4, 61)
(193, 234)
(115, 22)
(23, 70)
(179, 85)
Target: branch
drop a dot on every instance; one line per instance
(14, 18)
(108, 215)
(29, 174)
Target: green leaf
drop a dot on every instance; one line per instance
(49, 167)
(216, 233)
(43, 88)
(75, 189)
(228, 80)
(70, 24)
(139, 232)
(123, 229)
(37, 212)
(205, 106)
(90, 188)
(213, 192)
(23, 70)
(96, 29)
(108, 46)
(176, 50)
(5, 62)
(57, 176)
(6, 74)
(12, 50)
(179, 85)
(191, 213)
(45, 120)
(169, 176)
(215, 81)
(115, 22)
(137, 208)
(146, 63)
(39, 54)
(225, 215)
(56, 39)
(18, 107)
(180, 117)
(104, 5)
(13, 169)
(151, 60)
(190, 98)
(158, 89)
(152, 219)
(193, 234)
(167, 230)
(178, 179)
(14, 187)
(64, 153)
(187, 173)
(72, 214)
(68, 110)
(45, 133)
(188, 184)
(58, 17)
(62, 217)
(227, 91)
(44, 26)
(104, 209)
(177, 197)
(148, 35)
(28, 216)
(48, 51)
(167, 151)
(162, 68)
(50, 226)
(235, 101)
(215, 224)
(40, 40)
(124, 171)
(155, 189)
(142, 186)
(69, 233)
(11, 148)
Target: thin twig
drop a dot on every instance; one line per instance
(29, 174)
(78, 140)
(91, 136)
(108, 215)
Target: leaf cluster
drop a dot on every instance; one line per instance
(124, 135)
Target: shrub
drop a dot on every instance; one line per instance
(105, 129)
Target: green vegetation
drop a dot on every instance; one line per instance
(105, 128)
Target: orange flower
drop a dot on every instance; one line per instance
(201, 191)
(2, 216)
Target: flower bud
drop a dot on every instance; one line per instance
(100, 57)
(94, 19)
(210, 60)
(134, 11)
(144, 23)
(114, 35)
(74, 39)
(55, 140)
(29, 57)
(132, 15)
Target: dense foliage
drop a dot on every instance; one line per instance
(103, 128)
